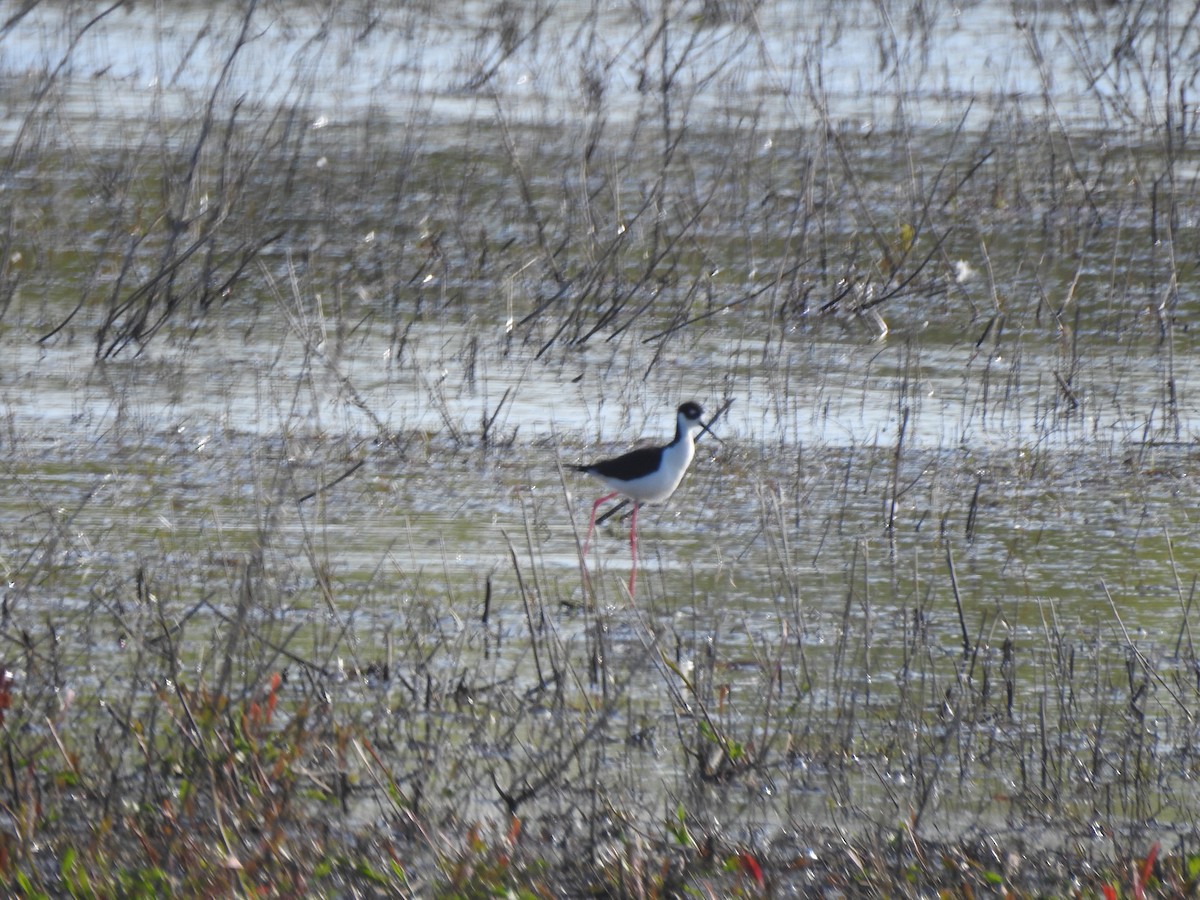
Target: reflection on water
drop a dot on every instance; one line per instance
(795, 64)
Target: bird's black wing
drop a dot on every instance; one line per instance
(642, 460)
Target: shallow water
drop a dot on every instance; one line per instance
(1027, 425)
(795, 64)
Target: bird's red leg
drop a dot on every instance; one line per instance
(633, 548)
(592, 523)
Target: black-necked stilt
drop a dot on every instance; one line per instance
(648, 475)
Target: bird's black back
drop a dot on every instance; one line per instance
(628, 465)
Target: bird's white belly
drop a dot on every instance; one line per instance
(661, 483)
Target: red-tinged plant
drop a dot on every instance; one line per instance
(1142, 876)
(751, 867)
(259, 715)
(6, 680)
(273, 695)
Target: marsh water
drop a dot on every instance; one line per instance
(417, 261)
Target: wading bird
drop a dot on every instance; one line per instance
(648, 475)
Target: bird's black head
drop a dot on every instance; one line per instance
(689, 420)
